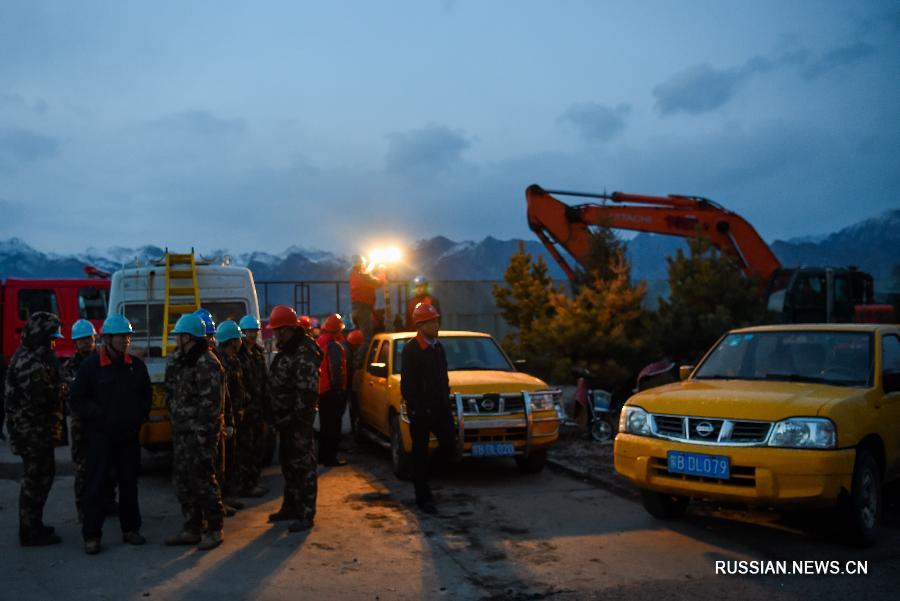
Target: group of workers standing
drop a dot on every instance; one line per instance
(222, 400)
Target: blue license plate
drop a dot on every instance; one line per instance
(493, 449)
(695, 464)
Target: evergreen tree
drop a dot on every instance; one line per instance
(709, 295)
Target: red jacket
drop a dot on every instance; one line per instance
(363, 286)
(333, 369)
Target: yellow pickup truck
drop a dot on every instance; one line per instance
(497, 411)
(774, 415)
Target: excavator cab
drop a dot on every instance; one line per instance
(819, 294)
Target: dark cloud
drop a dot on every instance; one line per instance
(19, 146)
(595, 122)
(200, 123)
(431, 149)
(839, 57)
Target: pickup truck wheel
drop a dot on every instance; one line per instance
(862, 510)
(532, 464)
(663, 506)
(400, 459)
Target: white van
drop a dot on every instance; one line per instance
(139, 293)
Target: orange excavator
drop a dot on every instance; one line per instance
(795, 295)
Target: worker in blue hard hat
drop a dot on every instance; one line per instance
(195, 396)
(111, 394)
(254, 433)
(84, 336)
(228, 337)
(209, 324)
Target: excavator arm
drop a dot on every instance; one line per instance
(557, 224)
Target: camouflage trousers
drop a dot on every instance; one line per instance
(78, 446)
(38, 469)
(299, 464)
(249, 453)
(225, 464)
(194, 476)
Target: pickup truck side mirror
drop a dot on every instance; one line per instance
(684, 371)
(378, 369)
(890, 381)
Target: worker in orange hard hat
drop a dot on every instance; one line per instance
(425, 386)
(333, 384)
(353, 346)
(362, 297)
(421, 294)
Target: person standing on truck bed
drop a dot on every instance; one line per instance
(425, 386)
(421, 294)
(84, 336)
(231, 505)
(253, 428)
(294, 384)
(332, 390)
(362, 296)
(195, 398)
(34, 418)
(228, 336)
(111, 396)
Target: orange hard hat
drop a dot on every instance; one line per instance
(304, 322)
(355, 337)
(282, 316)
(424, 312)
(333, 323)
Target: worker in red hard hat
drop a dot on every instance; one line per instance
(333, 383)
(362, 297)
(421, 294)
(353, 346)
(425, 386)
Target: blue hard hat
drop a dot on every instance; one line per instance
(190, 324)
(207, 319)
(58, 333)
(228, 330)
(116, 324)
(420, 280)
(249, 322)
(82, 329)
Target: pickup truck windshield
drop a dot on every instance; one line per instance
(824, 357)
(463, 353)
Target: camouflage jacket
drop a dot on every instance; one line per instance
(34, 388)
(294, 381)
(256, 380)
(195, 391)
(237, 387)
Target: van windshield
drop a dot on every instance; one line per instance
(825, 357)
(140, 314)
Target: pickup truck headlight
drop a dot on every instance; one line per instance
(634, 420)
(804, 433)
(544, 400)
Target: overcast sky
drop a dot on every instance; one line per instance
(258, 125)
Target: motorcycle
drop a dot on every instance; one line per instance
(593, 407)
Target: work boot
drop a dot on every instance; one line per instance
(300, 525)
(232, 502)
(256, 491)
(37, 538)
(185, 537)
(92, 546)
(210, 540)
(335, 462)
(283, 515)
(428, 507)
(47, 529)
(133, 538)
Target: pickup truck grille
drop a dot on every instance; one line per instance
(493, 404)
(711, 431)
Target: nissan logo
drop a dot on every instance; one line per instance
(487, 404)
(704, 429)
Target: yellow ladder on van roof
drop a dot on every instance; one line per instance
(182, 296)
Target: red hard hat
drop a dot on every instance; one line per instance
(424, 312)
(304, 322)
(355, 337)
(333, 323)
(282, 316)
